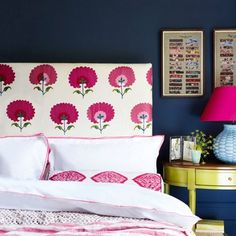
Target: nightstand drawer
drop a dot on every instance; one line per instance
(215, 177)
(176, 176)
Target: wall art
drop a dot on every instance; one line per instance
(224, 57)
(182, 63)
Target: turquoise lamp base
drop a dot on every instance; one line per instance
(225, 145)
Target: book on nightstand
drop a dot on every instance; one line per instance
(210, 228)
(208, 233)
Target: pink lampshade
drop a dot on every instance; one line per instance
(221, 105)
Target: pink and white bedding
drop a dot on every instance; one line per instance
(102, 198)
(162, 213)
(102, 228)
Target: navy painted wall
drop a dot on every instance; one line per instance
(124, 31)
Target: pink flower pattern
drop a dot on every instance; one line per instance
(7, 76)
(68, 176)
(121, 78)
(149, 180)
(64, 114)
(84, 78)
(81, 80)
(21, 112)
(141, 114)
(149, 76)
(44, 76)
(99, 113)
(109, 177)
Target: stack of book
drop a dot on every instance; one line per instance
(210, 228)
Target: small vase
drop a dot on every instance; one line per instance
(196, 156)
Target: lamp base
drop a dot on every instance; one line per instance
(225, 145)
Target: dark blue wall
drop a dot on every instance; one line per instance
(124, 31)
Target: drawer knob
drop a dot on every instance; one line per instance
(229, 178)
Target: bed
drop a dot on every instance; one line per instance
(76, 159)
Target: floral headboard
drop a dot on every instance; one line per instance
(86, 100)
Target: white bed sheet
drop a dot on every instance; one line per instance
(104, 199)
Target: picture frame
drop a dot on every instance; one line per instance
(224, 57)
(180, 148)
(182, 63)
(188, 143)
(175, 148)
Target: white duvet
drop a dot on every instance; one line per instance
(103, 198)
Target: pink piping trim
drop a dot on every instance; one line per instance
(47, 157)
(112, 137)
(45, 141)
(20, 136)
(93, 202)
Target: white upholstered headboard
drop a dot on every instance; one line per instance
(75, 99)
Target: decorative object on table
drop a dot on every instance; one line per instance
(175, 148)
(180, 147)
(196, 156)
(188, 143)
(221, 107)
(182, 63)
(224, 57)
(202, 147)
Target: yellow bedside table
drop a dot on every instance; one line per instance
(199, 176)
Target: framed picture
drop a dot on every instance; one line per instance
(224, 57)
(188, 143)
(182, 63)
(175, 148)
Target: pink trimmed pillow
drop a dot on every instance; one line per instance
(129, 154)
(24, 157)
(146, 180)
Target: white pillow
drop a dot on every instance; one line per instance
(23, 157)
(130, 154)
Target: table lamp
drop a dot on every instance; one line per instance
(222, 107)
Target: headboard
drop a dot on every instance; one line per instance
(75, 99)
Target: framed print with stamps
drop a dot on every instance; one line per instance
(182, 63)
(224, 57)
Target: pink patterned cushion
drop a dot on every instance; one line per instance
(149, 180)
(68, 176)
(109, 177)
